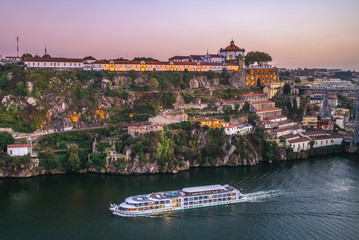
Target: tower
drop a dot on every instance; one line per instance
(17, 46)
(45, 50)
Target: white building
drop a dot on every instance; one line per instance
(18, 149)
(329, 140)
(244, 129)
(231, 52)
(298, 144)
(230, 130)
(54, 63)
(213, 58)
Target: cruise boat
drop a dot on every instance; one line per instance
(187, 198)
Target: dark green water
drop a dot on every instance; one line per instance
(311, 199)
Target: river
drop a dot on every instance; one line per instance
(305, 199)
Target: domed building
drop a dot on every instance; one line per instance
(232, 53)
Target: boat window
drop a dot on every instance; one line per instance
(156, 202)
(214, 200)
(200, 197)
(214, 196)
(191, 203)
(167, 201)
(205, 197)
(145, 204)
(200, 202)
(205, 201)
(195, 198)
(162, 202)
(219, 199)
(186, 199)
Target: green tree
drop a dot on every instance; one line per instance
(286, 89)
(246, 107)
(310, 79)
(20, 88)
(5, 139)
(4, 81)
(26, 55)
(73, 161)
(48, 159)
(153, 84)
(46, 56)
(257, 57)
(297, 80)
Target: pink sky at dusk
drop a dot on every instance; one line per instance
(304, 33)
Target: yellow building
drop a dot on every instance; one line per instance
(273, 89)
(310, 122)
(213, 123)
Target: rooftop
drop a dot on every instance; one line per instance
(18, 145)
(204, 188)
(269, 109)
(298, 140)
(254, 94)
(32, 59)
(261, 102)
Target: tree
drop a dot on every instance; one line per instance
(153, 84)
(146, 59)
(310, 79)
(286, 89)
(257, 57)
(46, 56)
(246, 107)
(4, 81)
(48, 159)
(5, 139)
(297, 80)
(26, 55)
(73, 160)
(21, 89)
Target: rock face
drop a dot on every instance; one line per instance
(31, 101)
(203, 82)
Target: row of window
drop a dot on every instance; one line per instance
(209, 197)
(58, 64)
(209, 201)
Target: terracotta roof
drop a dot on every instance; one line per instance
(196, 57)
(269, 109)
(262, 102)
(254, 94)
(231, 126)
(215, 56)
(161, 63)
(232, 47)
(297, 140)
(313, 133)
(326, 137)
(89, 58)
(291, 136)
(285, 122)
(180, 57)
(287, 128)
(29, 59)
(234, 101)
(18, 145)
(12, 57)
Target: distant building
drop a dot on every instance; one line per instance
(263, 74)
(273, 89)
(19, 150)
(255, 97)
(140, 130)
(261, 105)
(54, 63)
(268, 112)
(299, 144)
(310, 122)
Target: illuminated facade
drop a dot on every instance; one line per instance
(263, 75)
(142, 66)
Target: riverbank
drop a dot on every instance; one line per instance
(31, 170)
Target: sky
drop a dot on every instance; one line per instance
(306, 33)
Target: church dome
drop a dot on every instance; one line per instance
(233, 47)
